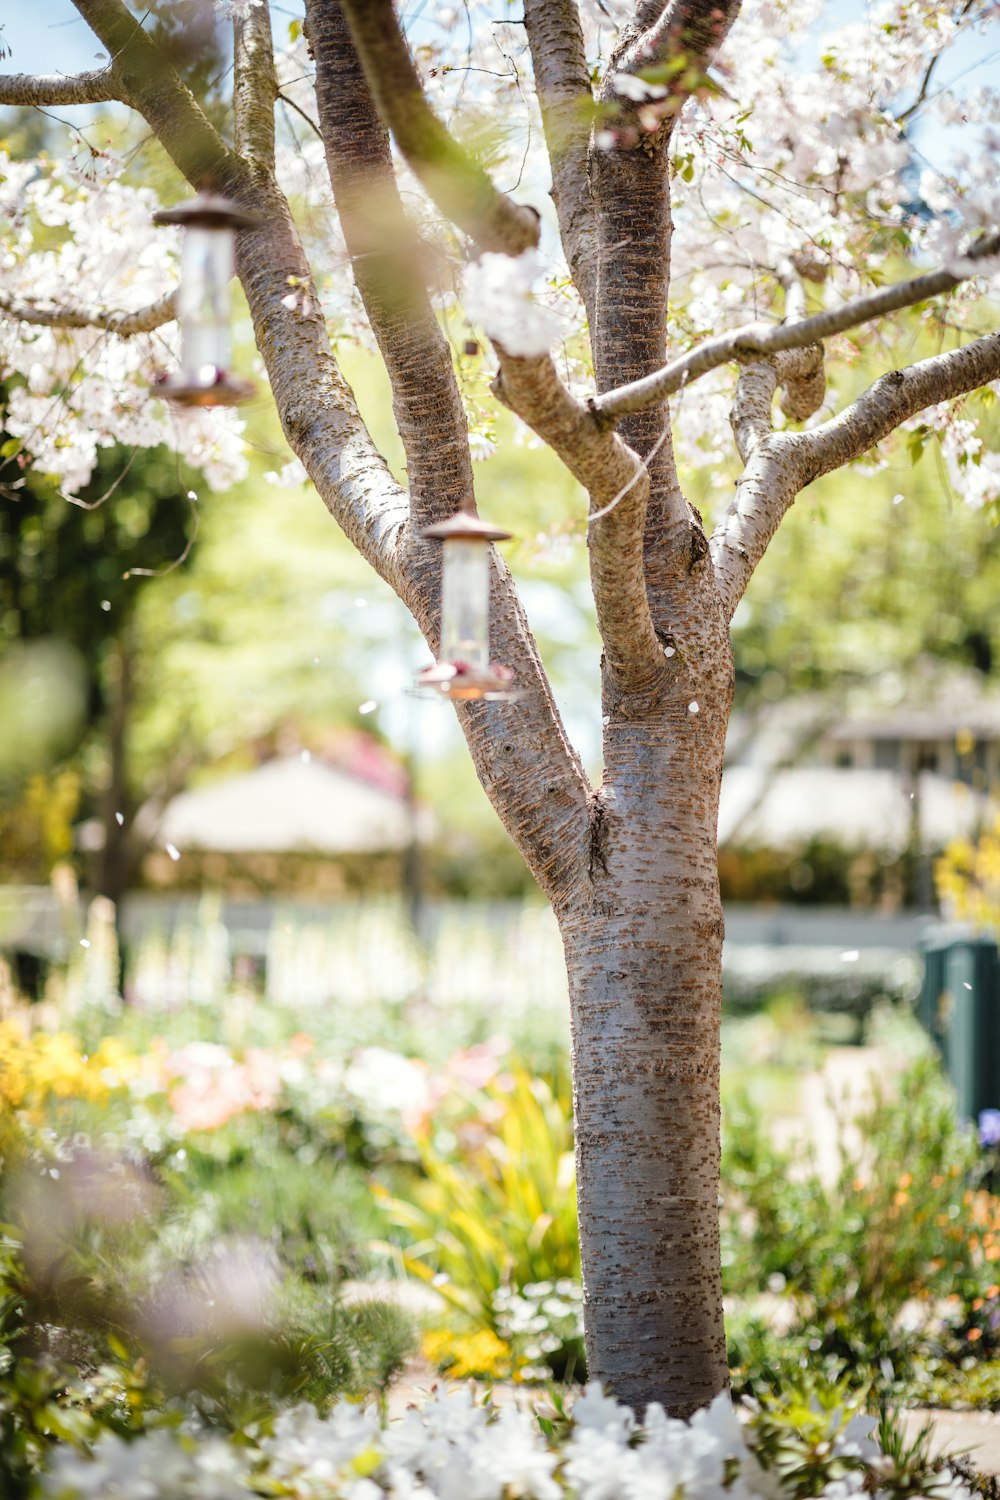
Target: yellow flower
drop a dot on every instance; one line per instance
(50, 1066)
(468, 1354)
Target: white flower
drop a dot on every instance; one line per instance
(499, 295)
(384, 1082)
(289, 476)
(596, 1462)
(513, 1450)
(161, 1465)
(855, 1439)
(313, 1450)
(602, 1413)
(637, 89)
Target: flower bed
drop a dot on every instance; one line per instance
(454, 1449)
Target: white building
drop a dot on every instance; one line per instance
(884, 771)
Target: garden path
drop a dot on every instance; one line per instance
(976, 1433)
(830, 1096)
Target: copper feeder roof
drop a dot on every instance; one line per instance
(209, 211)
(466, 525)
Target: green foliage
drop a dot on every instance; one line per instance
(892, 1260)
(812, 1434)
(803, 1434)
(114, 1301)
(496, 1206)
(854, 586)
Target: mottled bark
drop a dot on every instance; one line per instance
(124, 324)
(780, 465)
(618, 486)
(643, 948)
(566, 101)
(55, 90)
(255, 86)
(170, 109)
(685, 32)
(459, 187)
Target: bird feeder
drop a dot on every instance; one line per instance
(463, 669)
(204, 379)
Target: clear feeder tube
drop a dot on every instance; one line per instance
(465, 603)
(203, 302)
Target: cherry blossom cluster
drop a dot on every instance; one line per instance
(85, 240)
(792, 170)
(796, 174)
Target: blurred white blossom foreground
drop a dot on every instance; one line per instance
(454, 1449)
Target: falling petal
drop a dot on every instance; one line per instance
(305, 757)
(120, 819)
(361, 604)
(174, 852)
(850, 956)
(693, 706)
(897, 499)
(84, 942)
(966, 985)
(669, 650)
(368, 707)
(105, 605)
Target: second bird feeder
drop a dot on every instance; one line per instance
(463, 669)
(205, 379)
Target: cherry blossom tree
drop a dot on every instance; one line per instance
(735, 222)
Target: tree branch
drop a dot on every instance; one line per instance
(925, 82)
(386, 260)
(55, 90)
(529, 769)
(156, 90)
(800, 371)
(781, 464)
(459, 187)
(255, 86)
(566, 100)
(755, 340)
(618, 484)
(894, 398)
(682, 39)
(629, 332)
(143, 320)
(322, 424)
(750, 417)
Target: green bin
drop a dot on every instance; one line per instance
(959, 1005)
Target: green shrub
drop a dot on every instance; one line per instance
(894, 1259)
(494, 1212)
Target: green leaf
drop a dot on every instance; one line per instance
(294, 29)
(10, 447)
